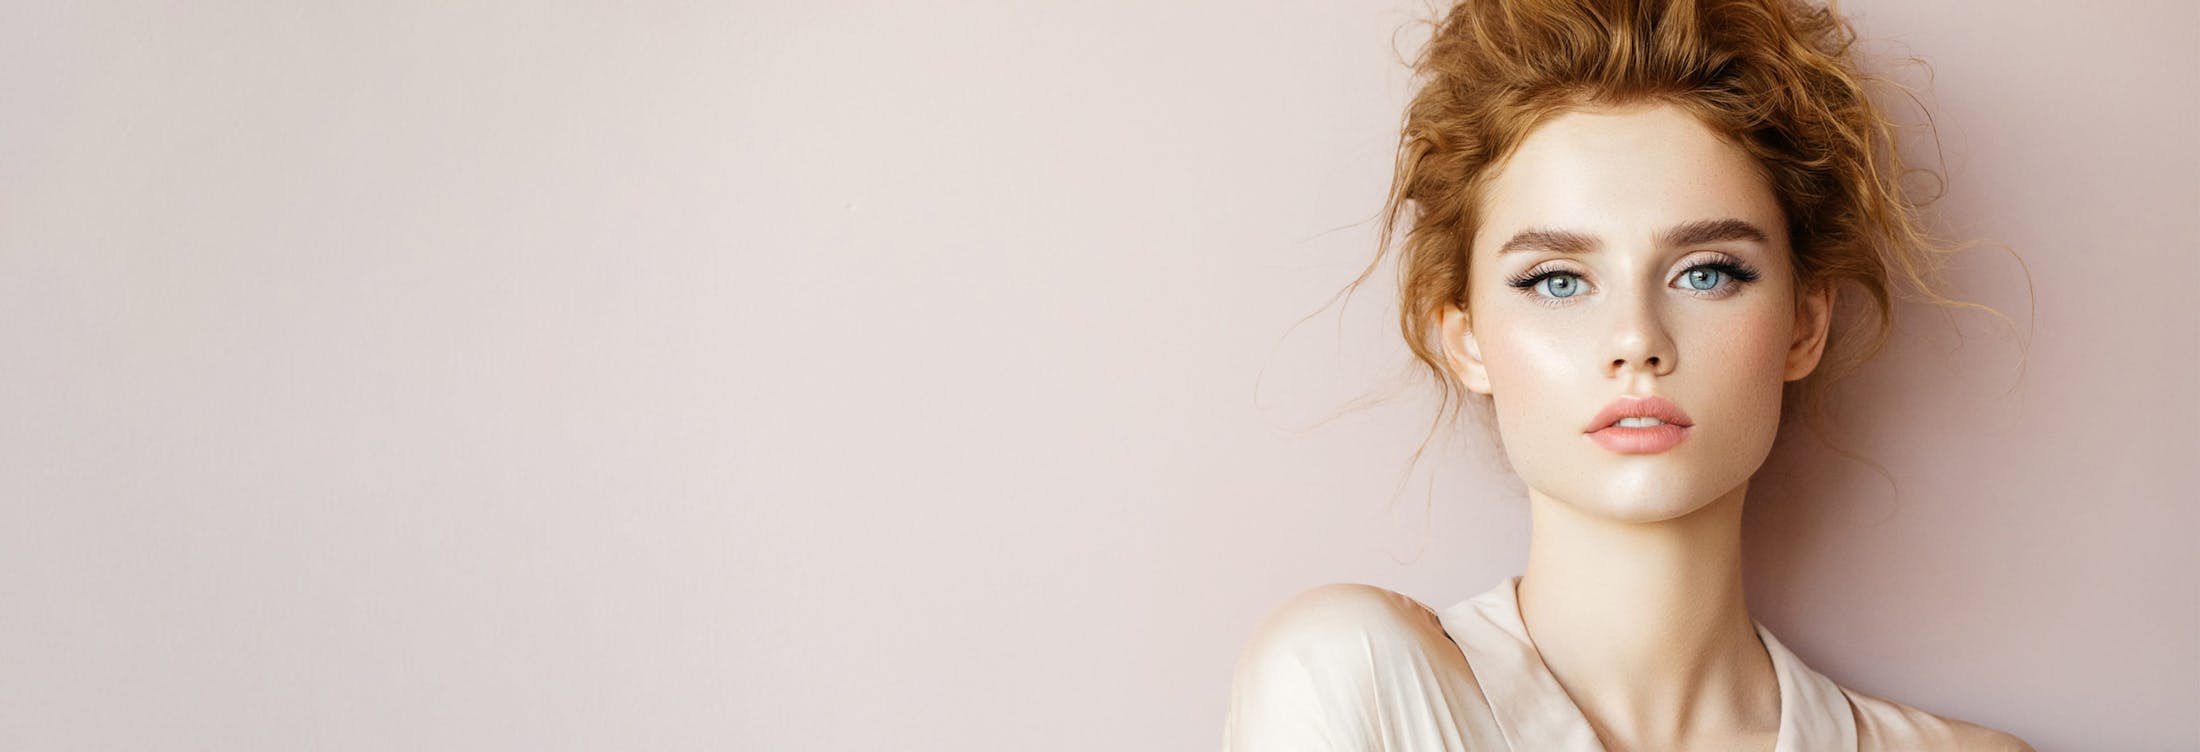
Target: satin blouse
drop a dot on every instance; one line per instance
(1355, 667)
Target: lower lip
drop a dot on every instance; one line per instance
(1639, 439)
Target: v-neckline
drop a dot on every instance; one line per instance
(1534, 712)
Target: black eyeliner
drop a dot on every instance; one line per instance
(1731, 268)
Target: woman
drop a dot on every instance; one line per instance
(1631, 222)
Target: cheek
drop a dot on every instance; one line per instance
(1732, 362)
(1760, 342)
(1746, 362)
(1536, 370)
(1527, 353)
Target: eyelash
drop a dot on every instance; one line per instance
(1740, 273)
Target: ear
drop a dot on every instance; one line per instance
(1813, 315)
(1462, 351)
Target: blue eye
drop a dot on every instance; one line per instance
(1559, 285)
(1547, 286)
(1702, 278)
(1717, 276)
(1714, 279)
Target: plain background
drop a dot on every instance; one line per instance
(890, 375)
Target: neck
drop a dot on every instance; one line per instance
(1643, 623)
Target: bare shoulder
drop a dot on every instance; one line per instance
(1886, 724)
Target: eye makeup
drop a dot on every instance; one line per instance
(1731, 265)
(1529, 282)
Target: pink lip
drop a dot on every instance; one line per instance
(1639, 440)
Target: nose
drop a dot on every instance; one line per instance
(1640, 342)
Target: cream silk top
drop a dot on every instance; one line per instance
(1355, 667)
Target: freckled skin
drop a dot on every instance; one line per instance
(1632, 596)
(1633, 589)
(1625, 178)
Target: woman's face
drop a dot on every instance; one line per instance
(1629, 253)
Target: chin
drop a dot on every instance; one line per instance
(1638, 488)
(1645, 508)
(1628, 497)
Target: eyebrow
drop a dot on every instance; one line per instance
(1690, 233)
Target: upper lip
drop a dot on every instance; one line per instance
(1650, 406)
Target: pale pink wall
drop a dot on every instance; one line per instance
(808, 375)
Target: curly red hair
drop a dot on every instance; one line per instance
(1776, 77)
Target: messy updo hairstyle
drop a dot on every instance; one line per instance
(1775, 77)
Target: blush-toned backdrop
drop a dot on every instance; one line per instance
(889, 375)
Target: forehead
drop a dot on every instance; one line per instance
(1624, 175)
